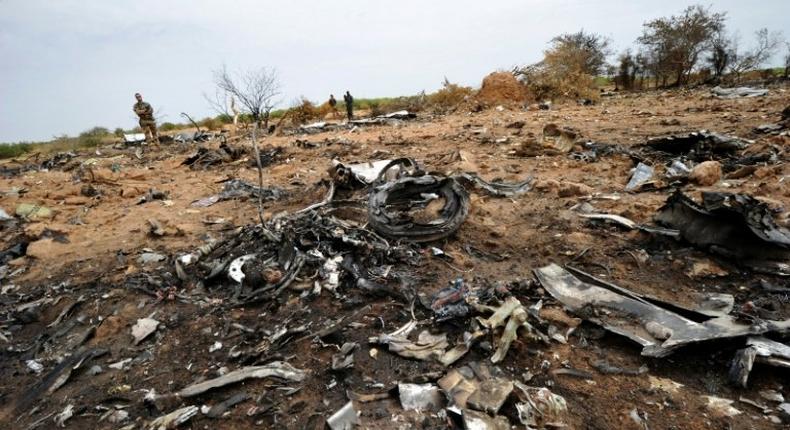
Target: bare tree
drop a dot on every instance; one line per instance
(676, 43)
(224, 105)
(218, 102)
(767, 44)
(257, 91)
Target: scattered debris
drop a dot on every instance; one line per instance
(279, 369)
(34, 366)
(143, 328)
(734, 93)
(61, 418)
(151, 257)
(643, 175)
(219, 409)
(474, 420)
(360, 175)
(152, 195)
(499, 189)
(735, 226)
(174, 419)
(614, 219)
(238, 189)
(678, 170)
(426, 347)
(346, 418)
(4, 216)
(345, 358)
(758, 349)
(539, 407)
(697, 146)
(391, 205)
(658, 330)
(420, 397)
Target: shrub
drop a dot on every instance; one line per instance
(92, 137)
(375, 108)
(210, 123)
(448, 97)
(303, 111)
(224, 118)
(11, 150)
(168, 126)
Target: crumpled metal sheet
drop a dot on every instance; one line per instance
(420, 397)
(642, 175)
(734, 93)
(427, 346)
(236, 188)
(391, 203)
(173, 419)
(732, 225)
(134, 137)
(279, 369)
(360, 175)
(658, 330)
(759, 349)
(346, 418)
(389, 118)
(498, 189)
(540, 407)
(698, 145)
(677, 170)
(476, 386)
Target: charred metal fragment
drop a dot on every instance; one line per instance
(698, 146)
(736, 226)
(660, 331)
(761, 350)
(495, 188)
(392, 204)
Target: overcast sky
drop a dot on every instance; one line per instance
(69, 65)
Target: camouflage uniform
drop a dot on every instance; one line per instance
(147, 121)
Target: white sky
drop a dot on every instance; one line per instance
(69, 65)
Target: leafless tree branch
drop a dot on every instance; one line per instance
(257, 91)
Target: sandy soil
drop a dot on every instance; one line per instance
(88, 254)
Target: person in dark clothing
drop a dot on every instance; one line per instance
(333, 105)
(349, 105)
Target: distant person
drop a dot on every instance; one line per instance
(349, 105)
(236, 113)
(147, 121)
(333, 105)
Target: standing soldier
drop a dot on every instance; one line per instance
(333, 105)
(349, 105)
(147, 121)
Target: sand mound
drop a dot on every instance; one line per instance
(502, 88)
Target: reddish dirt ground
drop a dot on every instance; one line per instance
(97, 240)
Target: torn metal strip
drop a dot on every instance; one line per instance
(658, 330)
